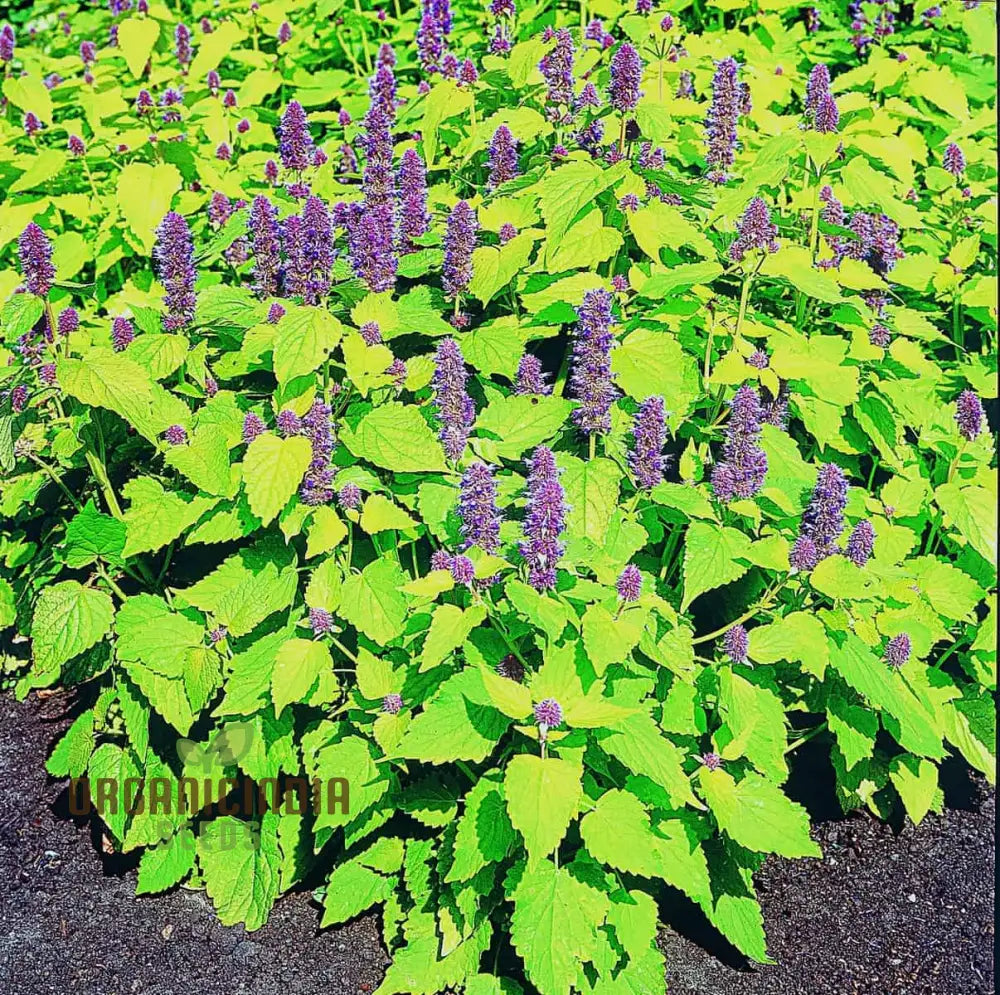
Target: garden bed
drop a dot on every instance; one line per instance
(884, 911)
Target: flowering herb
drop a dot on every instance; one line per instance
(338, 353)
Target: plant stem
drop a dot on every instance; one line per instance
(57, 481)
(805, 739)
(748, 614)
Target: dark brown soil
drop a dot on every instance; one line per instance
(905, 910)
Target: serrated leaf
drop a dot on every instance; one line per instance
(372, 600)
(711, 555)
(273, 468)
(542, 798)
(297, 666)
(68, 619)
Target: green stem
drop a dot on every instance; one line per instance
(343, 649)
(105, 576)
(805, 739)
(364, 37)
(748, 614)
(592, 441)
(57, 481)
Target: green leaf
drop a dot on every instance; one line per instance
(651, 362)
(972, 510)
(543, 795)
(273, 468)
(350, 759)
(395, 437)
(663, 283)
(72, 753)
(798, 638)
(710, 558)
(304, 338)
(29, 93)
(350, 890)
(91, 534)
(150, 631)
(484, 834)
(555, 920)
(450, 627)
(591, 488)
(298, 665)
(136, 38)
(757, 814)
(144, 213)
(240, 868)
(68, 619)
(167, 864)
(155, 516)
(112, 763)
(493, 267)
(458, 723)
(205, 461)
(754, 725)
(108, 380)
(373, 603)
(379, 514)
(519, 423)
(158, 354)
(916, 780)
(566, 191)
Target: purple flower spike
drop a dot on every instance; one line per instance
(371, 249)
(430, 43)
(296, 145)
(76, 146)
(412, 180)
(182, 45)
(317, 485)
(817, 87)
(803, 555)
(827, 119)
(897, 650)
(544, 521)
(320, 621)
(262, 225)
(548, 714)
(275, 313)
(122, 334)
(7, 44)
(35, 253)
(759, 360)
(823, 520)
(685, 85)
(754, 231)
(463, 570)
(174, 255)
(861, 543)
(591, 379)
(557, 68)
(309, 250)
(349, 497)
(530, 377)
(506, 233)
(288, 422)
(736, 643)
(712, 761)
(953, 160)
(741, 471)
(630, 584)
(720, 125)
(441, 560)
(459, 241)
(284, 33)
(456, 411)
(502, 157)
(176, 435)
(969, 414)
(253, 425)
(68, 321)
(477, 508)
(626, 75)
(392, 704)
(18, 398)
(649, 434)
(371, 333)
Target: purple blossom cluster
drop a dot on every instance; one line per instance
(649, 435)
(557, 68)
(174, 256)
(755, 231)
(728, 103)
(545, 519)
(502, 157)
(35, 255)
(823, 520)
(591, 379)
(477, 508)
(741, 471)
(459, 242)
(456, 412)
(308, 246)
(530, 378)
(317, 484)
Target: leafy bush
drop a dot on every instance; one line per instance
(554, 518)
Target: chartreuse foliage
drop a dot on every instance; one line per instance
(536, 757)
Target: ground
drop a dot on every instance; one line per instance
(888, 910)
